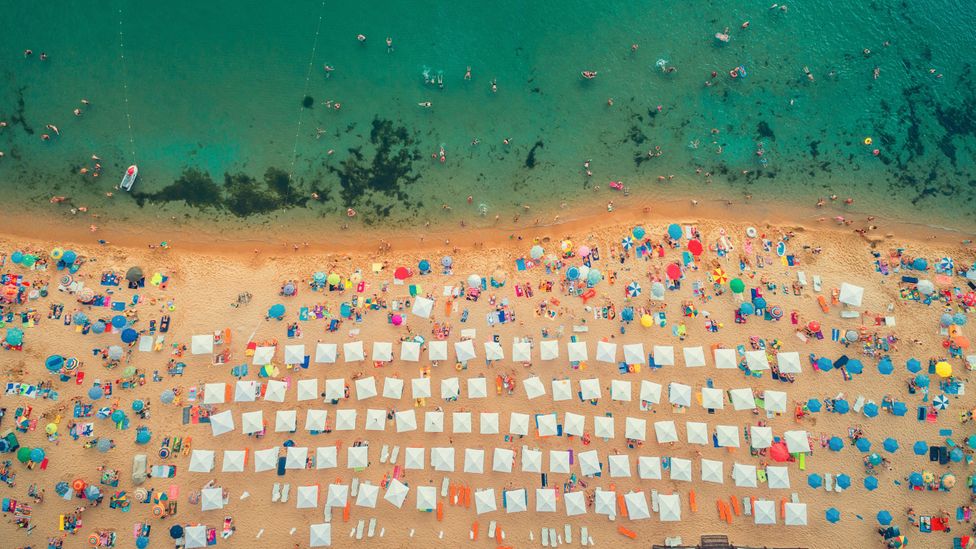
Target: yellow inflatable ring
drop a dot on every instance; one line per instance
(868, 140)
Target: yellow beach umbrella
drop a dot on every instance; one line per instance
(943, 369)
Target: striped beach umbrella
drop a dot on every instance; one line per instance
(627, 242)
(719, 276)
(946, 265)
(941, 402)
(633, 289)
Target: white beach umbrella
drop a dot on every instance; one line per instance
(727, 436)
(245, 391)
(426, 498)
(679, 394)
(406, 420)
(375, 419)
(760, 437)
(589, 462)
(474, 461)
(606, 352)
(518, 424)
(252, 422)
(575, 503)
(713, 399)
(603, 426)
(777, 477)
(367, 495)
(711, 471)
(725, 359)
(547, 424)
(635, 428)
(437, 350)
(789, 362)
(326, 457)
(296, 457)
(488, 423)
(294, 354)
(420, 387)
(308, 389)
(764, 511)
(797, 441)
(233, 461)
(573, 424)
(534, 388)
(649, 467)
(433, 422)
(562, 389)
(464, 350)
(650, 392)
(484, 501)
(549, 349)
(697, 432)
(502, 460)
(620, 390)
(320, 535)
(521, 351)
(545, 500)
(315, 420)
(263, 356)
(396, 492)
(410, 351)
(442, 459)
(694, 357)
(636, 503)
(665, 432)
(392, 388)
(744, 475)
(274, 390)
(516, 501)
(194, 537)
(493, 351)
(422, 307)
(201, 461)
(757, 360)
(634, 353)
(413, 458)
(851, 295)
(211, 499)
(307, 497)
(214, 393)
(221, 422)
(681, 469)
(382, 351)
(326, 353)
(477, 387)
(461, 422)
(345, 420)
(559, 461)
(796, 514)
(590, 388)
(531, 461)
(670, 506)
(663, 355)
(450, 388)
(577, 351)
(285, 421)
(742, 399)
(353, 351)
(357, 457)
(775, 401)
(605, 502)
(265, 460)
(619, 465)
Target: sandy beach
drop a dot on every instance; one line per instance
(202, 295)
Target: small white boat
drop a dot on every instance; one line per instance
(130, 178)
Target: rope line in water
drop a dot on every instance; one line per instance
(308, 79)
(125, 89)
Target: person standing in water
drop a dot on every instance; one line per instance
(389, 44)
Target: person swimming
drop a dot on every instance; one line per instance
(389, 44)
(425, 104)
(467, 73)
(589, 75)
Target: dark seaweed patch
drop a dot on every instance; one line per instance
(764, 131)
(241, 194)
(530, 159)
(194, 187)
(308, 102)
(814, 148)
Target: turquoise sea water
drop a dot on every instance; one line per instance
(219, 87)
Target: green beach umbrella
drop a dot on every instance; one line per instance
(23, 454)
(737, 285)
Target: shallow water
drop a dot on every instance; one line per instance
(219, 87)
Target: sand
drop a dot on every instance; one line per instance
(203, 285)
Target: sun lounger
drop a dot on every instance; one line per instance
(654, 501)
(829, 482)
(801, 277)
(276, 492)
(360, 526)
(371, 529)
(395, 454)
(584, 536)
(553, 539)
(285, 490)
(817, 284)
(568, 533)
(858, 404)
(354, 490)
(385, 453)
(545, 537)
(445, 484)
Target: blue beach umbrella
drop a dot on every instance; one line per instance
(17, 257)
(836, 444)
(871, 409)
(971, 441)
(955, 455)
(572, 273)
(899, 408)
(633, 289)
(920, 448)
(142, 542)
(138, 405)
(874, 459)
(118, 415)
(15, 337)
(940, 402)
(98, 327)
(959, 319)
(129, 335)
(276, 311)
(674, 231)
(844, 481)
(884, 518)
(37, 455)
(885, 367)
(167, 396)
(759, 302)
(814, 405)
(594, 277)
(118, 321)
(447, 261)
(176, 531)
(863, 444)
(103, 445)
(832, 515)
(638, 232)
(915, 479)
(627, 314)
(854, 366)
(945, 320)
(536, 252)
(824, 364)
(319, 277)
(143, 436)
(69, 257)
(922, 380)
(96, 393)
(920, 264)
(79, 318)
(54, 363)
(913, 365)
(841, 406)
(747, 308)
(890, 445)
(627, 242)
(424, 265)
(815, 481)
(871, 483)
